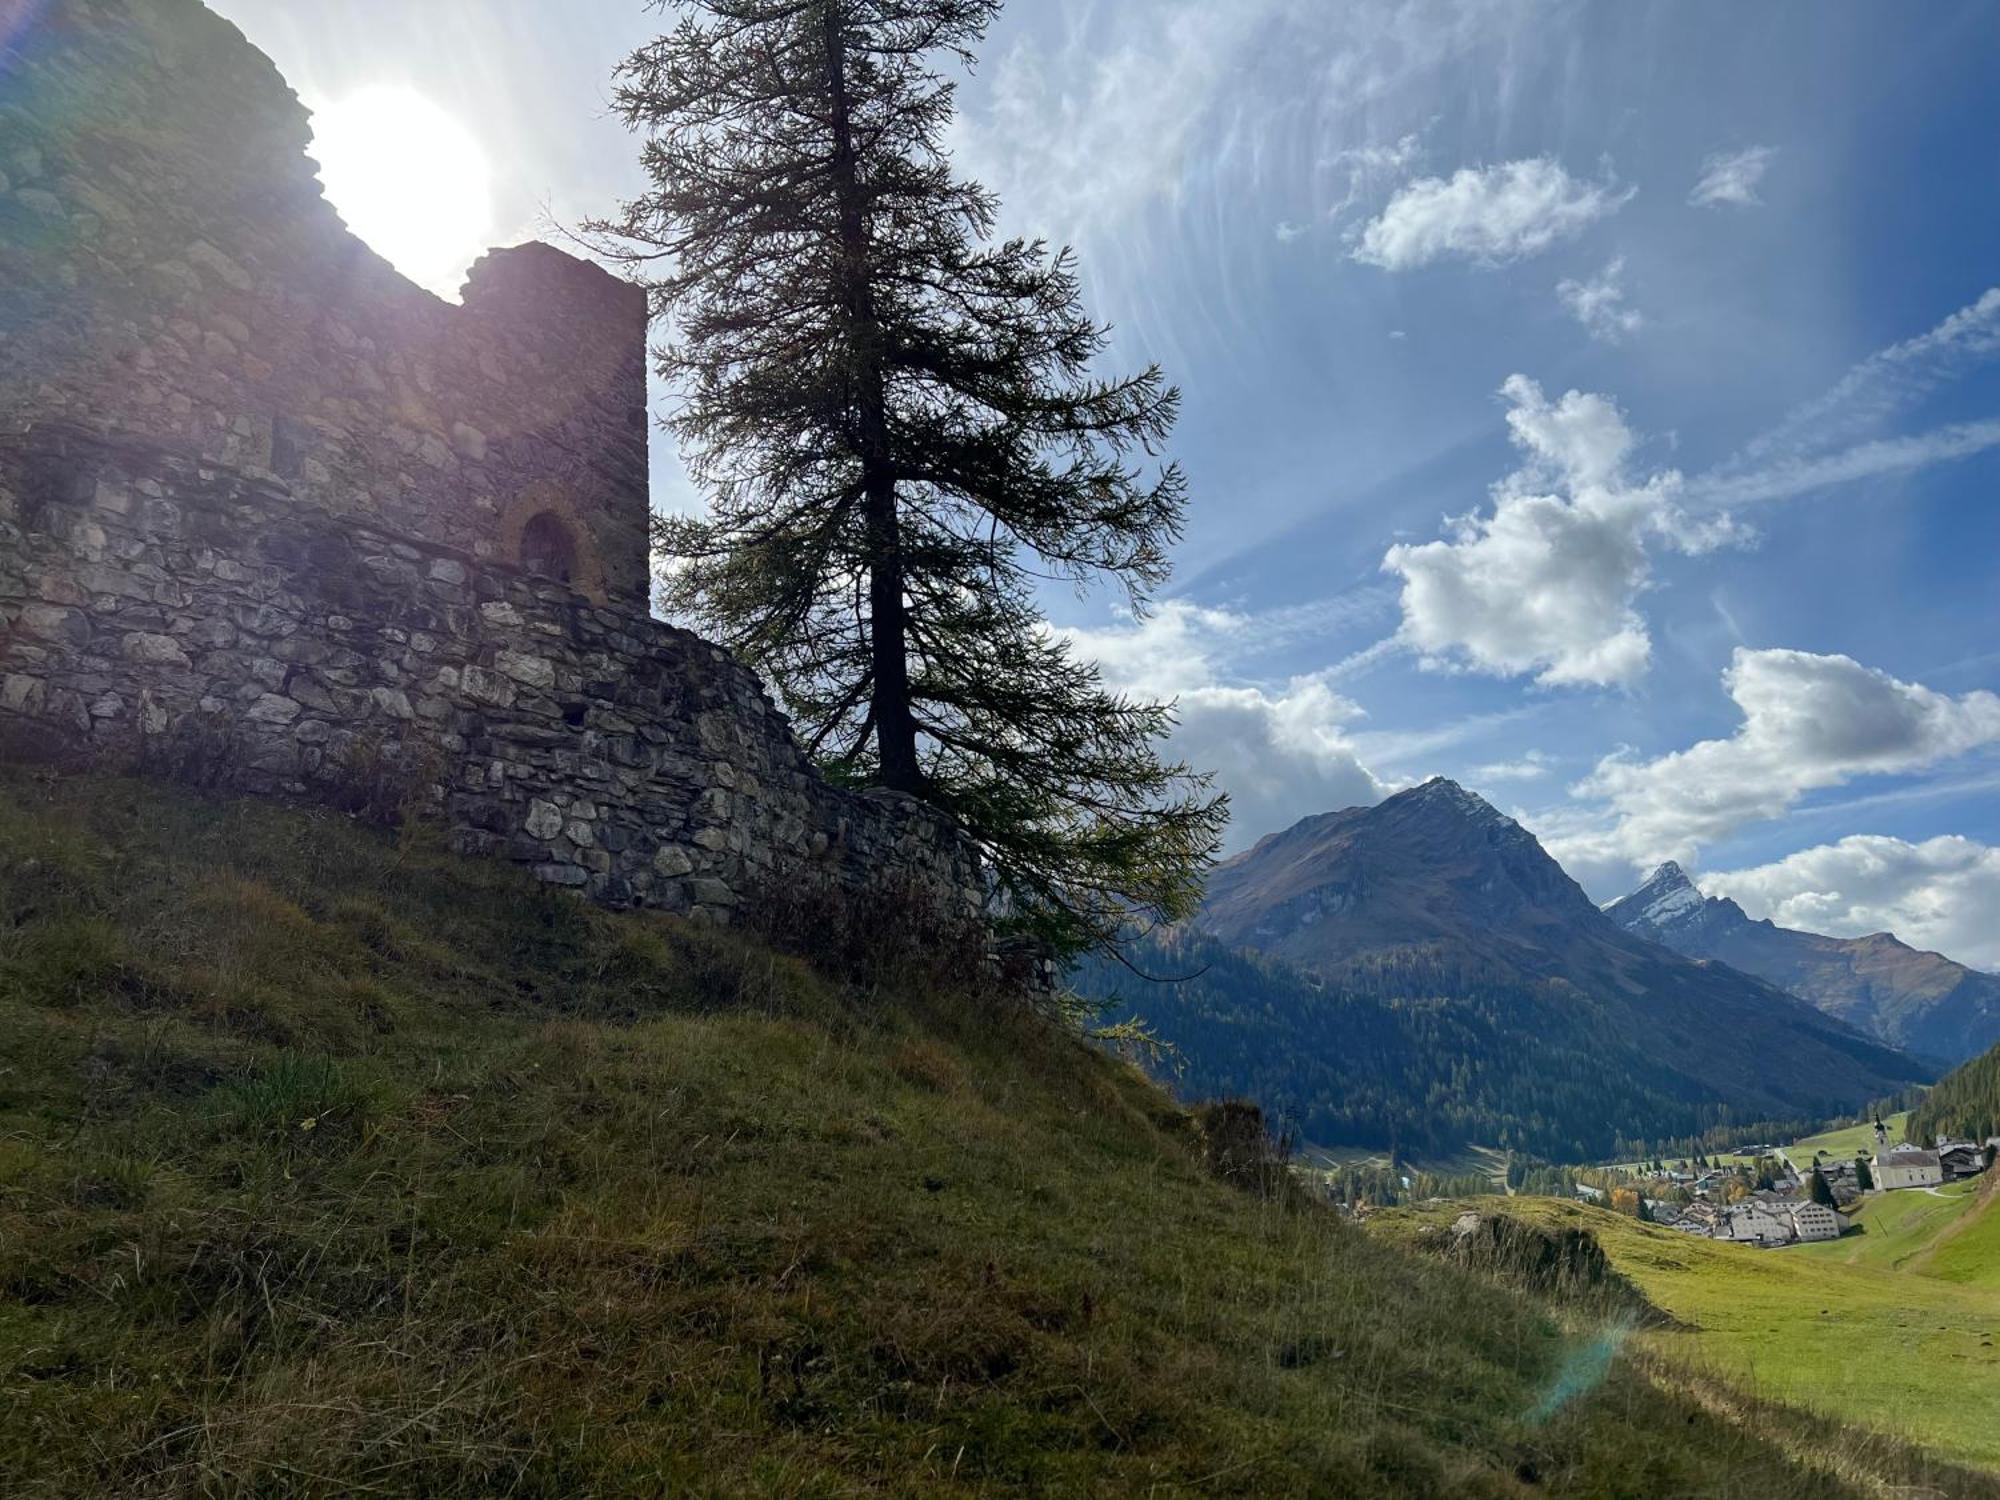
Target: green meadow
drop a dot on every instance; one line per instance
(1849, 1141)
(1893, 1327)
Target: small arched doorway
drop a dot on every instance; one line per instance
(548, 547)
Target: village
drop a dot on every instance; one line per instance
(1768, 1197)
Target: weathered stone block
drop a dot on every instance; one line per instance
(271, 708)
(22, 694)
(487, 687)
(154, 650)
(206, 258)
(545, 819)
(707, 892)
(530, 671)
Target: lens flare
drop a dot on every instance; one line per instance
(409, 179)
(1582, 1372)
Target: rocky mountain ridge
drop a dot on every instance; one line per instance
(1921, 1001)
(1421, 972)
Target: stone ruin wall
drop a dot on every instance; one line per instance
(262, 497)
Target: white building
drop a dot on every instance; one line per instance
(1815, 1221)
(1758, 1224)
(1907, 1166)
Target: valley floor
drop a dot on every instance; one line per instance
(1895, 1327)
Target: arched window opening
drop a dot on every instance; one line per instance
(548, 547)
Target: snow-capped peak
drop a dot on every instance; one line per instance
(1667, 897)
(1442, 792)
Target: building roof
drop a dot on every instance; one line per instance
(1907, 1155)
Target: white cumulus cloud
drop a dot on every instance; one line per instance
(1547, 581)
(1599, 304)
(1280, 750)
(1486, 214)
(1810, 722)
(1939, 894)
(1732, 177)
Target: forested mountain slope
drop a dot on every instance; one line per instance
(1422, 974)
(1965, 1104)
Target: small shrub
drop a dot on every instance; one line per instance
(391, 781)
(293, 1100)
(1567, 1264)
(1239, 1148)
(898, 934)
(199, 749)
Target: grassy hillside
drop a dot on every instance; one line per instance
(1893, 1329)
(1847, 1142)
(1967, 1249)
(1898, 1229)
(331, 1166)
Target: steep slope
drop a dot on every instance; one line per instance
(1422, 974)
(332, 1166)
(1919, 1001)
(1965, 1104)
(1434, 865)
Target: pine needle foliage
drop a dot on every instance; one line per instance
(898, 425)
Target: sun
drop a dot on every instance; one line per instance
(409, 179)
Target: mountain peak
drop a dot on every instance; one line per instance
(1446, 795)
(1667, 900)
(1431, 862)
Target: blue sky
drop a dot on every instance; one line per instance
(1677, 308)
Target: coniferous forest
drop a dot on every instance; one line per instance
(1966, 1103)
(1417, 1053)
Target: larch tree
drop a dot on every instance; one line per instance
(898, 426)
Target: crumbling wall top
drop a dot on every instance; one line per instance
(170, 270)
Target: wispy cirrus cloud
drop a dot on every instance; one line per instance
(1891, 380)
(1801, 474)
(1731, 178)
(1533, 766)
(1084, 127)
(1828, 441)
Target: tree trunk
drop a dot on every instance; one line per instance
(895, 724)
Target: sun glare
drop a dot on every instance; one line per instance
(409, 179)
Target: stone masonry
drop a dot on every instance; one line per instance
(260, 494)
